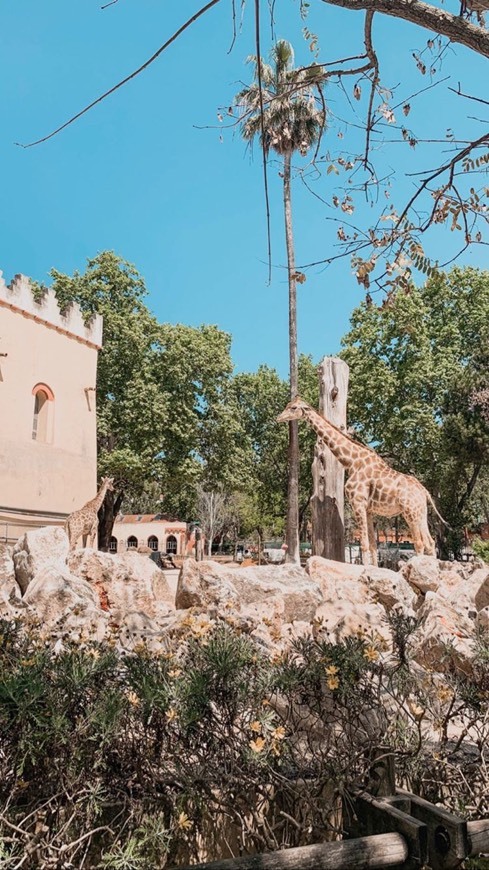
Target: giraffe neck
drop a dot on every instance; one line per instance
(341, 446)
(97, 501)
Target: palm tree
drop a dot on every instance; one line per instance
(281, 108)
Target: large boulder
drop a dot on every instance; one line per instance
(39, 549)
(125, 583)
(65, 604)
(445, 638)
(262, 591)
(361, 584)
(422, 572)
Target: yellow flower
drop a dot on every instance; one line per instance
(256, 727)
(333, 682)
(184, 823)
(371, 654)
(257, 745)
(416, 711)
(265, 702)
(278, 733)
(276, 748)
(133, 699)
(331, 670)
(171, 714)
(175, 672)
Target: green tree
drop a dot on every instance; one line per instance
(416, 363)
(260, 396)
(280, 108)
(161, 396)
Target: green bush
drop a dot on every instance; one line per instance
(127, 762)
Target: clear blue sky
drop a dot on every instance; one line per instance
(137, 176)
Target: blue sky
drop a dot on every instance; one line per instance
(138, 176)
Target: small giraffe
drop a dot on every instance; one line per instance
(84, 522)
(373, 487)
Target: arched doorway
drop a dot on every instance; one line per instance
(113, 545)
(153, 543)
(171, 545)
(132, 543)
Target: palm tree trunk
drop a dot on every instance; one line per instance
(292, 533)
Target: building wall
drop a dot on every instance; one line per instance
(45, 478)
(142, 530)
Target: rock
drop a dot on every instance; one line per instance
(138, 628)
(422, 572)
(391, 588)
(482, 620)
(125, 583)
(259, 591)
(65, 604)
(358, 585)
(478, 583)
(445, 637)
(10, 595)
(39, 549)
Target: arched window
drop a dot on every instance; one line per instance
(153, 542)
(43, 396)
(171, 544)
(113, 545)
(132, 543)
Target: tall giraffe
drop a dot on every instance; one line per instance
(84, 522)
(373, 487)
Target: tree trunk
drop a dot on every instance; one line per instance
(328, 501)
(106, 518)
(292, 533)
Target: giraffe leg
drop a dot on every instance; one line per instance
(414, 528)
(92, 534)
(372, 540)
(360, 513)
(428, 543)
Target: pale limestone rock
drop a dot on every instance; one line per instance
(125, 583)
(444, 637)
(360, 584)
(39, 549)
(66, 604)
(390, 588)
(478, 583)
(10, 595)
(422, 572)
(342, 619)
(282, 591)
(482, 620)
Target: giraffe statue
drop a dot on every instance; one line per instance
(373, 487)
(84, 522)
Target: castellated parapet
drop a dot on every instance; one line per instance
(18, 296)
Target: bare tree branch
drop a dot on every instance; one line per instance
(128, 78)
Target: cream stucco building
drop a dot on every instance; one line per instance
(149, 530)
(48, 448)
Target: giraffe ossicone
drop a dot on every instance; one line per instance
(373, 487)
(83, 523)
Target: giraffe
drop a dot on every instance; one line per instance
(373, 487)
(84, 522)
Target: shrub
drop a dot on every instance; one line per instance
(131, 762)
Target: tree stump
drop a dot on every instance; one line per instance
(328, 500)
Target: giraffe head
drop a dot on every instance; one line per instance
(295, 410)
(108, 483)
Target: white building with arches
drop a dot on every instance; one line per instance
(48, 426)
(154, 531)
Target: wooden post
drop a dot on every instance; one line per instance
(328, 500)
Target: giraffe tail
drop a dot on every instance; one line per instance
(437, 512)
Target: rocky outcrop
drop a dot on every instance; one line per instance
(38, 549)
(88, 594)
(126, 583)
(260, 591)
(65, 605)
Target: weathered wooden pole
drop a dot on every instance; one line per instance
(382, 850)
(328, 500)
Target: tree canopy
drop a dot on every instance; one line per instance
(416, 365)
